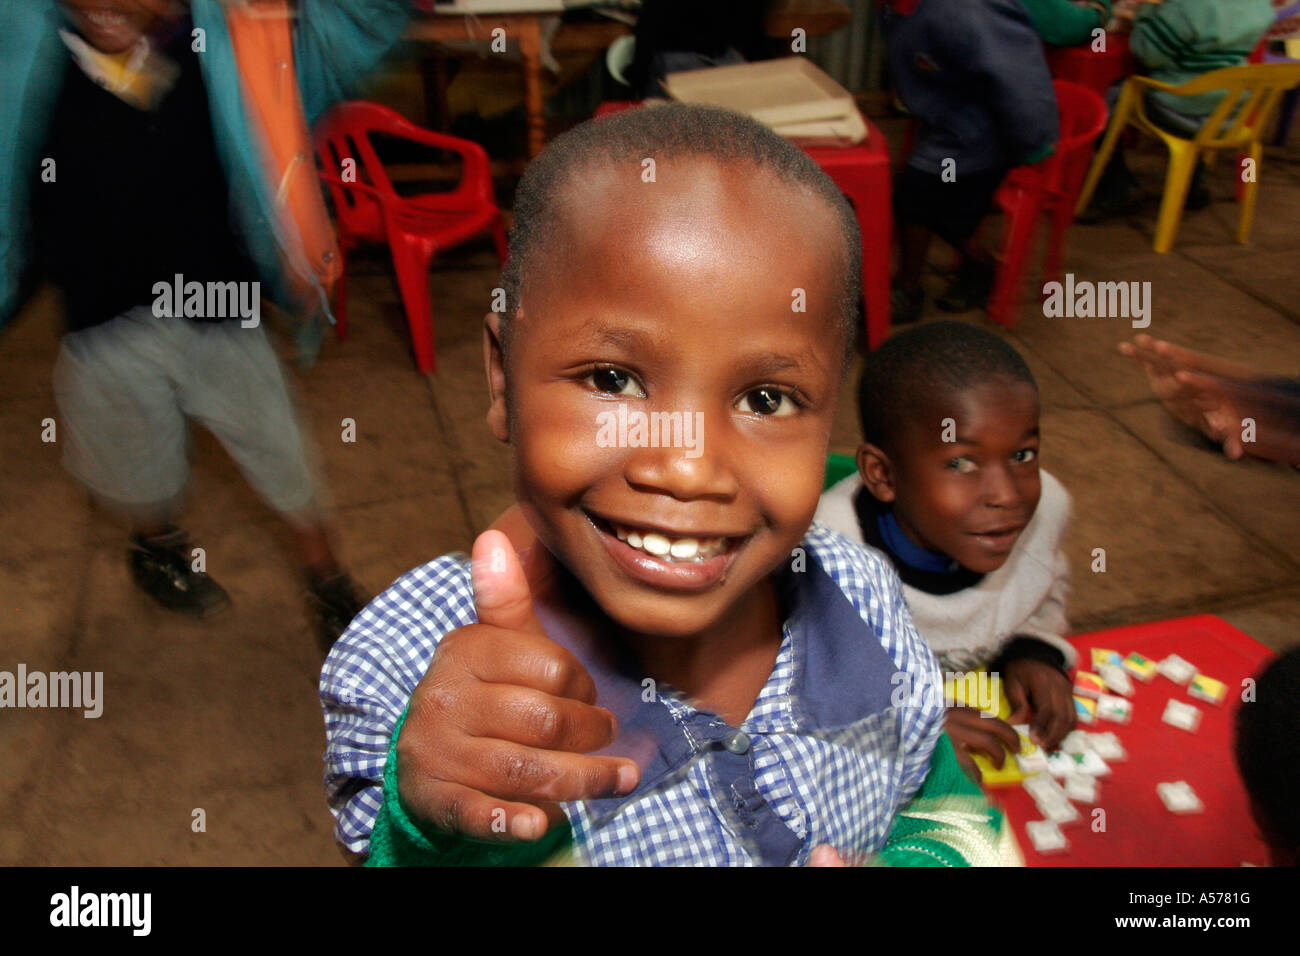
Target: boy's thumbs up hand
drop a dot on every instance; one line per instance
(499, 727)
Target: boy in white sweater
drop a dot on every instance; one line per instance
(949, 488)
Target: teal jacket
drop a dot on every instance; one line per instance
(336, 42)
(1178, 40)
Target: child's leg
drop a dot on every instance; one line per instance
(914, 245)
(970, 197)
(124, 438)
(237, 388)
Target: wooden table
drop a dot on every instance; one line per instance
(522, 31)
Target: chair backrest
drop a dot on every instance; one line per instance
(344, 134)
(1252, 93)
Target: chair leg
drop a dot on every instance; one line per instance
(1118, 120)
(1249, 195)
(1182, 164)
(411, 258)
(1024, 210)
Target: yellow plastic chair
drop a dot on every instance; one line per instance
(1237, 123)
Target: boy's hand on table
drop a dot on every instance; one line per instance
(1036, 688)
(972, 732)
(503, 719)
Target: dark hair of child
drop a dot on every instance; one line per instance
(926, 362)
(675, 129)
(1268, 754)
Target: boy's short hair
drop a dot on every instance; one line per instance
(1268, 749)
(668, 130)
(915, 367)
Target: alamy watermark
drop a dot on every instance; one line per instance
(637, 429)
(78, 690)
(1100, 300)
(209, 300)
(978, 689)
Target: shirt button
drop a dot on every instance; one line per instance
(737, 743)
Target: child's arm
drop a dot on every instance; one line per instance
(949, 822)
(338, 42)
(1065, 23)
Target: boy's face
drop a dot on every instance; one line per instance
(969, 499)
(674, 297)
(112, 26)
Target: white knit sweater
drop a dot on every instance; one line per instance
(1026, 596)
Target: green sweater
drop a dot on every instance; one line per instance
(947, 823)
(1065, 23)
(1178, 40)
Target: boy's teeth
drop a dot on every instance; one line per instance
(673, 549)
(656, 544)
(685, 548)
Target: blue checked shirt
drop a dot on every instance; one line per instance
(838, 739)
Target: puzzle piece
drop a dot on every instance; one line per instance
(1035, 762)
(1059, 810)
(1046, 836)
(1090, 764)
(1140, 667)
(1183, 716)
(1043, 788)
(1207, 689)
(1081, 787)
(1060, 764)
(1076, 742)
(1116, 679)
(1088, 685)
(1102, 655)
(1179, 797)
(1085, 710)
(1107, 746)
(1117, 709)
(1176, 669)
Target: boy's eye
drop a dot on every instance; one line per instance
(1026, 455)
(615, 381)
(963, 466)
(769, 401)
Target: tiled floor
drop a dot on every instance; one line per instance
(223, 716)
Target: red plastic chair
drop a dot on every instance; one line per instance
(1048, 188)
(862, 173)
(370, 210)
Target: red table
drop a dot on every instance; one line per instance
(1139, 830)
(862, 173)
(1097, 71)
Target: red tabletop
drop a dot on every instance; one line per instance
(1095, 70)
(1139, 830)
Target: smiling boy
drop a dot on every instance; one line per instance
(734, 667)
(949, 487)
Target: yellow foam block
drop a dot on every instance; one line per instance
(1103, 655)
(1207, 689)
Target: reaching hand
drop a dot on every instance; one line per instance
(972, 732)
(1041, 690)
